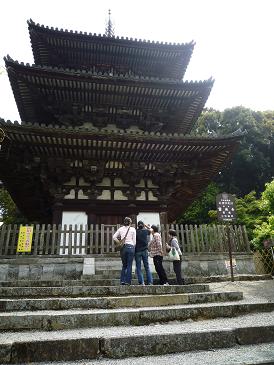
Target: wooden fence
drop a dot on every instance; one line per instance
(97, 239)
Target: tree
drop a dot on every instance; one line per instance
(197, 213)
(9, 211)
(253, 164)
(264, 233)
(250, 212)
(268, 197)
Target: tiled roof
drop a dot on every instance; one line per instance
(58, 47)
(37, 90)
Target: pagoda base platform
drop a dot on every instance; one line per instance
(106, 268)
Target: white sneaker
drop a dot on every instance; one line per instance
(166, 284)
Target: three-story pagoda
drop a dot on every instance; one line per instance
(105, 129)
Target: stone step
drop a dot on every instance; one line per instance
(100, 279)
(261, 354)
(136, 301)
(120, 342)
(68, 319)
(83, 291)
(61, 283)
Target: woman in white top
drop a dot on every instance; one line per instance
(128, 249)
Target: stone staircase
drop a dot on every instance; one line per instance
(94, 319)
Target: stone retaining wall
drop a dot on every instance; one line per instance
(69, 268)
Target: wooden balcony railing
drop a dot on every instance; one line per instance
(97, 239)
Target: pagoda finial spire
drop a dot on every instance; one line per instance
(109, 27)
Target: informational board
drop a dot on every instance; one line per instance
(24, 239)
(226, 208)
(73, 218)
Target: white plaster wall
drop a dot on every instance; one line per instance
(149, 218)
(74, 218)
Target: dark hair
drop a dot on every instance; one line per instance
(127, 221)
(155, 228)
(140, 224)
(172, 232)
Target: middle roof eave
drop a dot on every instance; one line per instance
(166, 96)
(60, 72)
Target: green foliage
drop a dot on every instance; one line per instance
(265, 231)
(268, 197)
(198, 211)
(8, 210)
(250, 212)
(251, 167)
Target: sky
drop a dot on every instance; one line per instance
(234, 40)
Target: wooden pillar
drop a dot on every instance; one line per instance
(92, 218)
(57, 211)
(163, 218)
(164, 222)
(132, 213)
(134, 219)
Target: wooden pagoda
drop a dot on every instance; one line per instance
(105, 129)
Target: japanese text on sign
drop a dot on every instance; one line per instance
(226, 209)
(25, 239)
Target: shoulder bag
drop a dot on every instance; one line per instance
(119, 243)
(173, 254)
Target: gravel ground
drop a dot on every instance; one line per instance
(254, 291)
(256, 354)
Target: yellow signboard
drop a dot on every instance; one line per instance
(25, 239)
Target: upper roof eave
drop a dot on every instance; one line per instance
(144, 42)
(53, 46)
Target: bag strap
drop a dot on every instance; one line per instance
(126, 235)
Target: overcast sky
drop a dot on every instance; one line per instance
(234, 39)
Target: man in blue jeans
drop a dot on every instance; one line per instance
(141, 253)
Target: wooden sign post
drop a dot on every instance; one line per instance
(226, 212)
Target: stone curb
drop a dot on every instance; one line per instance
(56, 321)
(144, 300)
(121, 347)
(70, 291)
(173, 343)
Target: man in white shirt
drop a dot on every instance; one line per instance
(127, 250)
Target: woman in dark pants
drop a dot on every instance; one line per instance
(177, 264)
(156, 252)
